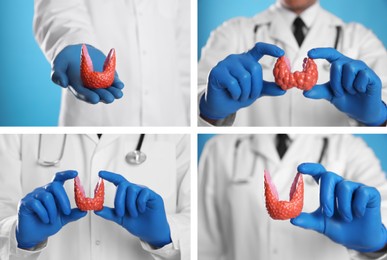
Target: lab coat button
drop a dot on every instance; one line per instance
(275, 251)
(97, 242)
(144, 52)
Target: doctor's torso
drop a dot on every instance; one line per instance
(151, 40)
(293, 109)
(92, 237)
(232, 179)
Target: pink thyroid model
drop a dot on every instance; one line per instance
(304, 80)
(84, 203)
(94, 79)
(279, 209)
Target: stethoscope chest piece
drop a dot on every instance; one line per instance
(135, 157)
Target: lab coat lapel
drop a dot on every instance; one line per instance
(319, 35)
(106, 139)
(282, 33)
(265, 147)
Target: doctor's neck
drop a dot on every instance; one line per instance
(297, 6)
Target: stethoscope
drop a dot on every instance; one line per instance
(339, 30)
(135, 157)
(238, 144)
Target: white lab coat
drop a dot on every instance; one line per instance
(233, 222)
(166, 171)
(152, 42)
(292, 109)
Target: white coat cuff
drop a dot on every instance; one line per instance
(9, 248)
(355, 255)
(170, 251)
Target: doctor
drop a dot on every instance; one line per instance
(146, 213)
(152, 42)
(233, 221)
(235, 89)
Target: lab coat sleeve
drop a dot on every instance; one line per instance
(59, 23)
(10, 194)
(179, 222)
(372, 52)
(221, 43)
(364, 167)
(210, 237)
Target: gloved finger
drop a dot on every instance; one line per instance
(315, 170)
(271, 89)
(336, 79)
(116, 92)
(255, 70)
(117, 83)
(114, 178)
(61, 177)
(328, 183)
(244, 79)
(74, 215)
(329, 54)
(365, 197)
(142, 199)
(104, 95)
(313, 221)
(349, 72)
(84, 94)
(322, 91)
(344, 195)
(361, 81)
(60, 196)
(221, 78)
(374, 83)
(131, 198)
(59, 77)
(48, 202)
(260, 49)
(120, 199)
(109, 214)
(37, 207)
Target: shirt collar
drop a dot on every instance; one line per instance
(308, 16)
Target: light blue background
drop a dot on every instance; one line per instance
(27, 95)
(213, 13)
(378, 143)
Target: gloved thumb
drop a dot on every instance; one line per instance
(109, 214)
(59, 77)
(322, 91)
(271, 89)
(73, 216)
(313, 221)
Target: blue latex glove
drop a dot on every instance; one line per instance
(354, 221)
(43, 212)
(236, 82)
(137, 209)
(66, 73)
(354, 88)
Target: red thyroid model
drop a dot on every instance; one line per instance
(279, 209)
(86, 204)
(304, 80)
(94, 79)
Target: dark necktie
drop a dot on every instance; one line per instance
(298, 26)
(282, 144)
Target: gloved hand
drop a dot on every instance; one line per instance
(354, 221)
(66, 72)
(353, 88)
(236, 82)
(137, 209)
(43, 212)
